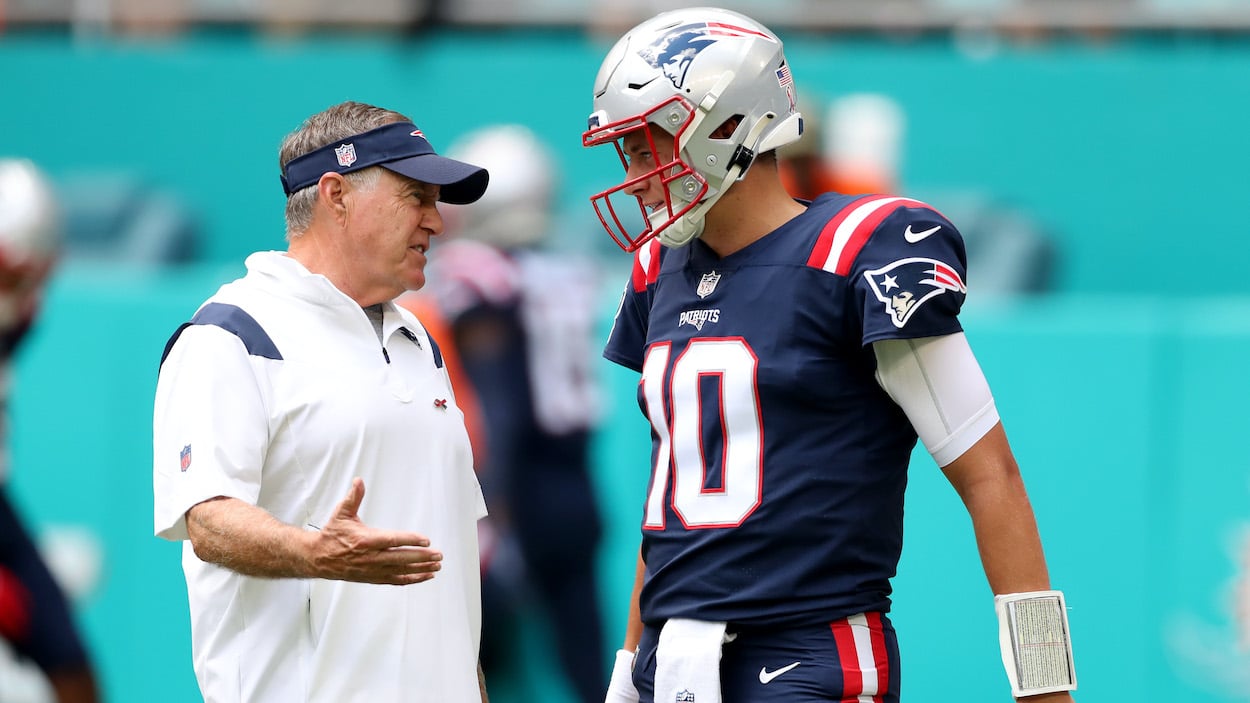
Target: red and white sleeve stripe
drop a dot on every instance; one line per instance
(845, 235)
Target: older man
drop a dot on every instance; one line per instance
(290, 391)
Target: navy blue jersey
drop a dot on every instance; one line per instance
(776, 494)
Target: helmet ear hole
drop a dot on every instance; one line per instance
(727, 128)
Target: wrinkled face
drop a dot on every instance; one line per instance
(389, 228)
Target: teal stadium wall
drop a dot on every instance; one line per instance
(1123, 392)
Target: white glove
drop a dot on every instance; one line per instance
(621, 687)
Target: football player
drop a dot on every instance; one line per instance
(791, 353)
(35, 616)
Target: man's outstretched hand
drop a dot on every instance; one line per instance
(346, 549)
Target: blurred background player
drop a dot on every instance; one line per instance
(520, 319)
(35, 616)
(849, 145)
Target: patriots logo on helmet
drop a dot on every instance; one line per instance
(906, 284)
(674, 51)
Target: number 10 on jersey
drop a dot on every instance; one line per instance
(683, 412)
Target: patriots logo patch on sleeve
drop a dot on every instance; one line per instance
(906, 284)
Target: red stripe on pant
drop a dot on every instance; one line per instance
(868, 656)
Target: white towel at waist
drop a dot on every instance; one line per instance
(687, 661)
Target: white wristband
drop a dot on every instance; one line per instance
(621, 687)
(1035, 641)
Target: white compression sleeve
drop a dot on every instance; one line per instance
(939, 385)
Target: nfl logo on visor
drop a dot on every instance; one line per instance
(346, 154)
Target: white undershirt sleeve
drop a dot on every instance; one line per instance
(939, 385)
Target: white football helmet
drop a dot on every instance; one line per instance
(688, 72)
(30, 228)
(516, 210)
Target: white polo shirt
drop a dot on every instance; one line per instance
(283, 414)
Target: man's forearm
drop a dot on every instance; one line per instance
(989, 483)
(247, 539)
(1008, 540)
(633, 626)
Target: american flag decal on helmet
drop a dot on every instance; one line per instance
(783, 76)
(787, 82)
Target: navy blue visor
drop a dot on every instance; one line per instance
(399, 147)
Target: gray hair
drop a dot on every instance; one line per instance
(330, 125)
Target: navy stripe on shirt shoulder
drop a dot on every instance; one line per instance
(438, 353)
(234, 320)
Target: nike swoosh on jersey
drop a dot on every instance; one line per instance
(913, 237)
(767, 676)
